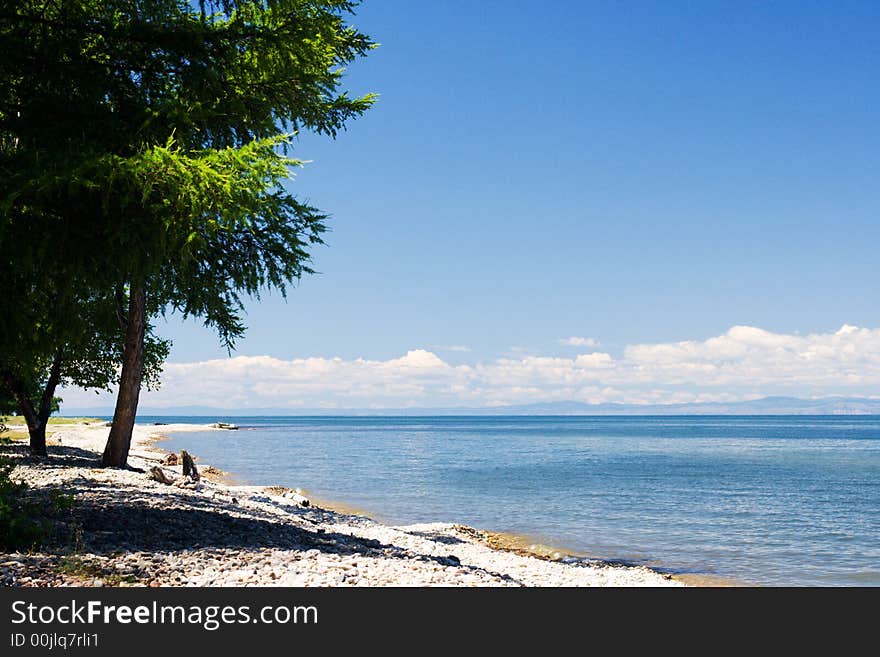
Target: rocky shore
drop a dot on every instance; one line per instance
(123, 528)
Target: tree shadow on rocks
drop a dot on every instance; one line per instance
(59, 456)
(201, 523)
(107, 520)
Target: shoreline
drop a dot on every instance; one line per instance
(136, 531)
(521, 544)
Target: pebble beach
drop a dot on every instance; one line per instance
(125, 528)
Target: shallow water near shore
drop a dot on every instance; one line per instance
(789, 500)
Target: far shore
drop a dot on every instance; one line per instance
(136, 531)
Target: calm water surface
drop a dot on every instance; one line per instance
(765, 500)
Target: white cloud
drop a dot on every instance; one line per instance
(745, 354)
(742, 363)
(452, 347)
(579, 342)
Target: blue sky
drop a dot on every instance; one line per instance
(633, 173)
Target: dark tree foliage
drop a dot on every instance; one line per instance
(143, 161)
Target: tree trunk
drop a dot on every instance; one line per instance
(38, 439)
(36, 428)
(38, 432)
(119, 440)
(38, 418)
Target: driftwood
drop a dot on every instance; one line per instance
(158, 474)
(189, 466)
(171, 459)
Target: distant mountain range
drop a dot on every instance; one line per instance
(763, 406)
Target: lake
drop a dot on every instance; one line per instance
(791, 500)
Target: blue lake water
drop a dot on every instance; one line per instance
(789, 500)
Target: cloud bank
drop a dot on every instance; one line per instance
(743, 363)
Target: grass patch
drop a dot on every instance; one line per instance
(19, 528)
(75, 420)
(75, 566)
(18, 420)
(11, 437)
(30, 517)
